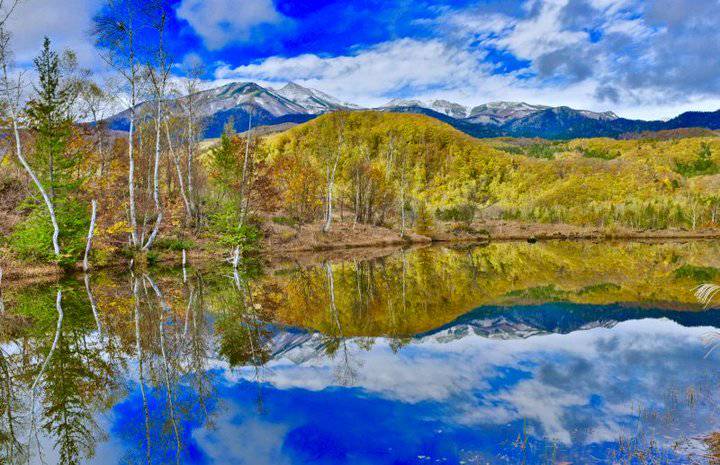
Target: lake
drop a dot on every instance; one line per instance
(503, 353)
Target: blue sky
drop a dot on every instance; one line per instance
(650, 59)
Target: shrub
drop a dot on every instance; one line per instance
(424, 222)
(703, 163)
(174, 243)
(32, 238)
(697, 273)
(464, 212)
(549, 293)
(225, 223)
(602, 153)
(599, 288)
(285, 221)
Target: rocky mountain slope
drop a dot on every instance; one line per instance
(243, 101)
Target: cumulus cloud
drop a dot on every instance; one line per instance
(576, 389)
(67, 23)
(386, 69)
(223, 22)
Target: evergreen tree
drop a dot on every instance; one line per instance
(50, 117)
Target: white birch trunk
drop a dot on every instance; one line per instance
(93, 305)
(33, 388)
(131, 178)
(245, 173)
(38, 184)
(331, 183)
(190, 156)
(156, 183)
(166, 367)
(178, 170)
(184, 262)
(91, 232)
(12, 94)
(139, 354)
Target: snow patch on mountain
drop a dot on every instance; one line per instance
(312, 100)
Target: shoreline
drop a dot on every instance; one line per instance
(336, 246)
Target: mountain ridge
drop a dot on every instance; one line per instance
(293, 103)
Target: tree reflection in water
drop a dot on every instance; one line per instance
(160, 348)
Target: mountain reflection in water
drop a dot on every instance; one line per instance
(507, 353)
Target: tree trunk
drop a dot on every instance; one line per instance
(91, 232)
(243, 188)
(190, 156)
(329, 198)
(31, 173)
(156, 183)
(181, 182)
(131, 179)
(166, 367)
(93, 305)
(2, 302)
(139, 355)
(46, 362)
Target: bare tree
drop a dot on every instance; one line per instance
(158, 70)
(166, 310)
(245, 174)
(190, 104)
(95, 101)
(43, 368)
(11, 91)
(175, 157)
(116, 36)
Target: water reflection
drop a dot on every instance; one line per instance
(508, 353)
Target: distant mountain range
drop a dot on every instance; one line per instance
(296, 104)
(504, 322)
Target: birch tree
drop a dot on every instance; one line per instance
(158, 70)
(11, 93)
(332, 159)
(95, 102)
(115, 34)
(190, 106)
(91, 232)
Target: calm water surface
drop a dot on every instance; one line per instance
(552, 353)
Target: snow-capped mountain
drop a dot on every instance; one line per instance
(502, 112)
(250, 104)
(449, 108)
(512, 322)
(312, 100)
(247, 94)
(454, 110)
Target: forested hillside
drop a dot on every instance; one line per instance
(352, 171)
(388, 164)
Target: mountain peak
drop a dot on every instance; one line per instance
(445, 107)
(313, 100)
(294, 86)
(400, 102)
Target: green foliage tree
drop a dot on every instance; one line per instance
(57, 154)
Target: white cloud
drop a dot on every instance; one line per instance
(369, 76)
(222, 22)
(426, 70)
(533, 37)
(635, 364)
(67, 23)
